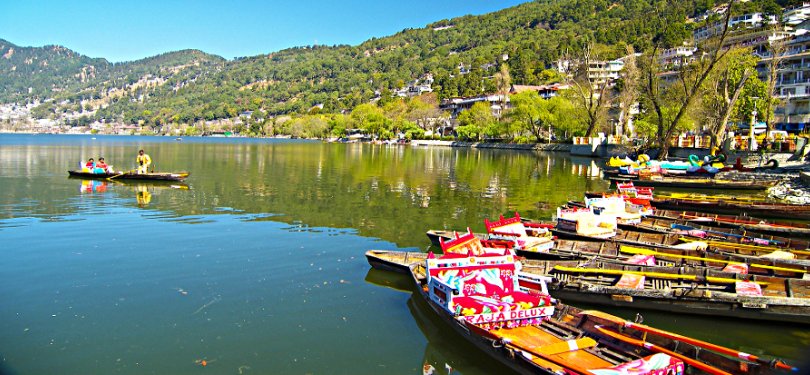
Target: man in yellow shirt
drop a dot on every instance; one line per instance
(143, 161)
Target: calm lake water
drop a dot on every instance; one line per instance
(257, 265)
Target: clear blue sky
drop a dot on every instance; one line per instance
(123, 30)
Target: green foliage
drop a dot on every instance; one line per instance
(474, 123)
(191, 86)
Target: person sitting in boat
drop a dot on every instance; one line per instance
(102, 167)
(90, 164)
(143, 161)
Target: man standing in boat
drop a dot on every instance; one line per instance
(143, 161)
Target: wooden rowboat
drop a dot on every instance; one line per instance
(760, 259)
(155, 176)
(663, 288)
(759, 209)
(749, 223)
(576, 341)
(699, 183)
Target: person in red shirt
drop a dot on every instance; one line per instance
(90, 164)
(101, 164)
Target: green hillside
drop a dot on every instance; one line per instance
(196, 86)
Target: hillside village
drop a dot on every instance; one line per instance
(778, 43)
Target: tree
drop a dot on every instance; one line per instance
(723, 89)
(536, 115)
(503, 83)
(679, 96)
(474, 122)
(369, 118)
(424, 111)
(591, 93)
(776, 51)
(628, 89)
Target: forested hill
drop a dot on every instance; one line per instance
(532, 35)
(41, 69)
(58, 72)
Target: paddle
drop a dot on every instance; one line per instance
(756, 248)
(640, 251)
(633, 341)
(656, 275)
(705, 345)
(120, 174)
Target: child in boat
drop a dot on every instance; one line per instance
(88, 167)
(101, 166)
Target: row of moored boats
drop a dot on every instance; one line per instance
(503, 289)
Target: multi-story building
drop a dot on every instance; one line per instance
(792, 83)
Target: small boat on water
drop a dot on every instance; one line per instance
(749, 223)
(548, 337)
(704, 292)
(698, 183)
(734, 207)
(658, 249)
(693, 291)
(154, 176)
(667, 225)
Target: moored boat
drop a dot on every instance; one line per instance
(737, 258)
(705, 292)
(154, 176)
(552, 338)
(749, 223)
(698, 183)
(732, 207)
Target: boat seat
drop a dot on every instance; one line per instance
(564, 346)
(513, 229)
(464, 244)
(584, 222)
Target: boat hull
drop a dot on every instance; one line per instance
(697, 184)
(131, 176)
(687, 305)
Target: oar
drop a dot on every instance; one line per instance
(639, 251)
(120, 174)
(756, 248)
(633, 341)
(657, 275)
(705, 345)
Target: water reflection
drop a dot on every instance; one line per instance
(445, 351)
(392, 193)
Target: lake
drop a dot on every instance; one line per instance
(256, 266)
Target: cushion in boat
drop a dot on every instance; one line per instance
(748, 288)
(779, 254)
(631, 281)
(658, 363)
(736, 268)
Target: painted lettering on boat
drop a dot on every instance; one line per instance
(510, 315)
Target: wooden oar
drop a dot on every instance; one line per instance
(633, 341)
(656, 275)
(640, 251)
(705, 345)
(119, 174)
(756, 248)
